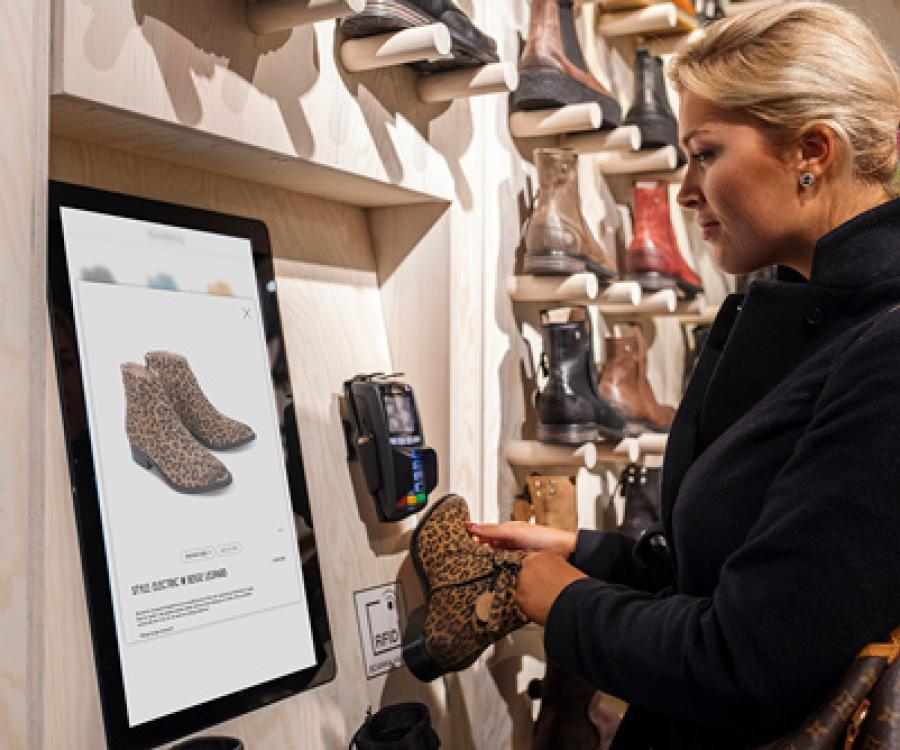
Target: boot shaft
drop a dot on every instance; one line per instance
(641, 488)
(553, 499)
(650, 85)
(568, 346)
(653, 246)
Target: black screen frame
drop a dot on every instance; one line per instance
(121, 736)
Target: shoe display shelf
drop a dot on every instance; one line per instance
(621, 299)
(268, 16)
(656, 19)
(533, 453)
(428, 43)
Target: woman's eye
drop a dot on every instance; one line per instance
(702, 157)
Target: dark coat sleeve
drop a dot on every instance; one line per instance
(816, 579)
(614, 558)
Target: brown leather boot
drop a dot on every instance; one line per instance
(557, 239)
(469, 589)
(552, 71)
(549, 500)
(624, 384)
(564, 722)
(653, 258)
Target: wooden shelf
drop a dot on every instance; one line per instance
(267, 16)
(534, 453)
(417, 44)
(619, 299)
(663, 302)
(496, 78)
(579, 287)
(657, 19)
(575, 118)
(625, 139)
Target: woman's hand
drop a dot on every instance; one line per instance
(543, 577)
(525, 536)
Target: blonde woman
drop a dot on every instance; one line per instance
(779, 556)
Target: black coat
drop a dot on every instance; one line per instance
(781, 506)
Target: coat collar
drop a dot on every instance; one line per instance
(860, 251)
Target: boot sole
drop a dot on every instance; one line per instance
(385, 16)
(548, 88)
(653, 281)
(415, 652)
(562, 264)
(656, 132)
(238, 444)
(143, 460)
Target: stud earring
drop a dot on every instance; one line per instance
(807, 179)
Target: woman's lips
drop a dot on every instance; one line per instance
(709, 228)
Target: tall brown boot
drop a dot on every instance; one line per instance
(624, 384)
(552, 71)
(470, 593)
(653, 258)
(557, 239)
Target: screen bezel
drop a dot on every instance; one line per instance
(95, 568)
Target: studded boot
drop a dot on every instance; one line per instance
(552, 70)
(653, 258)
(159, 439)
(570, 409)
(469, 593)
(641, 487)
(624, 384)
(557, 239)
(206, 423)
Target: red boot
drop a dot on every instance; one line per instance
(653, 258)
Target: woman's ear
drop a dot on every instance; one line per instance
(817, 150)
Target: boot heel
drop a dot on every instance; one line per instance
(555, 264)
(652, 281)
(141, 458)
(567, 434)
(415, 655)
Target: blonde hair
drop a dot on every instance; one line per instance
(798, 63)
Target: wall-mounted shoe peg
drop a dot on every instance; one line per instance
(663, 302)
(267, 16)
(625, 451)
(661, 18)
(534, 453)
(574, 118)
(663, 159)
(626, 138)
(622, 293)
(430, 42)
(652, 443)
(580, 287)
(495, 78)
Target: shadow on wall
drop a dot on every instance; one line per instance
(192, 41)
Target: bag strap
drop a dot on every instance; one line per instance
(889, 651)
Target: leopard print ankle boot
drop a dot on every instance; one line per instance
(469, 592)
(158, 438)
(206, 423)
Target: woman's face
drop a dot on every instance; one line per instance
(744, 191)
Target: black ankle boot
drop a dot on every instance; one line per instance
(708, 11)
(569, 408)
(650, 109)
(641, 488)
(403, 726)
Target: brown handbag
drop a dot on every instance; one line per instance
(862, 712)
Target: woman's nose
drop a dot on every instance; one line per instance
(689, 196)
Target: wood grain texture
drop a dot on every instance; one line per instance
(277, 99)
(24, 65)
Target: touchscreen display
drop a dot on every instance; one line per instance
(206, 583)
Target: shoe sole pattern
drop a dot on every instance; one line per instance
(654, 281)
(554, 263)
